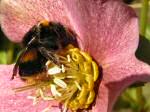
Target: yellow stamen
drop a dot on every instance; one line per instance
(78, 86)
(45, 97)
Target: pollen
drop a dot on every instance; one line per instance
(60, 83)
(62, 68)
(68, 58)
(54, 70)
(54, 91)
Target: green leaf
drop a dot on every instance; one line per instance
(3, 57)
(147, 35)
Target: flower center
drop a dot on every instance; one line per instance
(71, 83)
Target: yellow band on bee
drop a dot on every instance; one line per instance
(44, 22)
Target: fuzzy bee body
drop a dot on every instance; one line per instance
(41, 43)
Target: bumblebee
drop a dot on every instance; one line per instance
(40, 44)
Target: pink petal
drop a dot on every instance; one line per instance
(106, 26)
(115, 80)
(18, 16)
(18, 102)
(117, 76)
(107, 30)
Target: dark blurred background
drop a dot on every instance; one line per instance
(8, 50)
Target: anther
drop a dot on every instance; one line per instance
(54, 91)
(60, 83)
(54, 70)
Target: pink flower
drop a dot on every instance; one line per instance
(107, 29)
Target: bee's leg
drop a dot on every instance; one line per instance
(14, 71)
(49, 55)
(16, 67)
